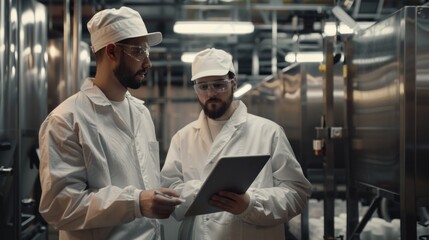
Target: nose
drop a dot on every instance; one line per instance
(147, 63)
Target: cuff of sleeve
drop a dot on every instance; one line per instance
(251, 205)
(137, 211)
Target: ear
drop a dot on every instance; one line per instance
(110, 50)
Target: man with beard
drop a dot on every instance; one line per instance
(224, 128)
(100, 170)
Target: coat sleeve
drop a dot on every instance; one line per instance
(172, 177)
(67, 202)
(290, 191)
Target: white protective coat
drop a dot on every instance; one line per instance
(278, 194)
(93, 168)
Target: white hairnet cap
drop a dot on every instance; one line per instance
(212, 62)
(113, 25)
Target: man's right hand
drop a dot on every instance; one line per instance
(153, 205)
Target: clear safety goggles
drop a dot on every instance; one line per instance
(218, 86)
(138, 53)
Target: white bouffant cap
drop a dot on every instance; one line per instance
(113, 25)
(211, 62)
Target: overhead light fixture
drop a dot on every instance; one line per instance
(331, 28)
(213, 27)
(304, 57)
(243, 89)
(188, 57)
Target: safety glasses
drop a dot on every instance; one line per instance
(218, 86)
(138, 53)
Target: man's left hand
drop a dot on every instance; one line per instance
(230, 202)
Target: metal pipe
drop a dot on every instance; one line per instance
(77, 29)
(407, 134)
(351, 191)
(274, 43)
(328, 112)
(15, 38)
(66, 47)
(255, 59)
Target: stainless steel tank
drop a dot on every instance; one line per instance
(8, 108)
(23, 106)
(388, 70)
(388, 110)
(58, 86)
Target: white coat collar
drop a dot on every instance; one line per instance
(98, 97)
(238, 117)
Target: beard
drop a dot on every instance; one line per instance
(212, 110)
(127, 78)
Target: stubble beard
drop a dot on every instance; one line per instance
(126, 77)
(215, 113)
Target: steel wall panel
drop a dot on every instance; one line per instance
(388, 65)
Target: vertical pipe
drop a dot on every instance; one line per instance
(16, 40)
(351, 191)
(274, 43)
(77, 13)
(328, 112)
(407, 128)
(304, 102)
(66, 47)
(255, 59)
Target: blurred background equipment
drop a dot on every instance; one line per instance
(23, 76)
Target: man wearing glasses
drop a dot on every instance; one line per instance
(225, 128)
(99, 167)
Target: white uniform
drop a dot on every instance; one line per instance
(279, 193)
(94, 166)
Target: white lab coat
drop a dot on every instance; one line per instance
(279, 192)
(94, 166)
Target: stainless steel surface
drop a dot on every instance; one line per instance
(329, 158)
(8, 109)
(421, 124)
(59, 87)
(8, 85)
(293, 98)
(388, 103)
(390, 107)
(32, 75)
(23, 33)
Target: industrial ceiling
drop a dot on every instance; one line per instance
(280, 27)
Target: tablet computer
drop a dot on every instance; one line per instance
(235, 174)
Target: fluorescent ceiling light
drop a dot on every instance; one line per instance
(213, 27)
(331, 28)
(188, 57)
(243, 89)
(304, 57)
